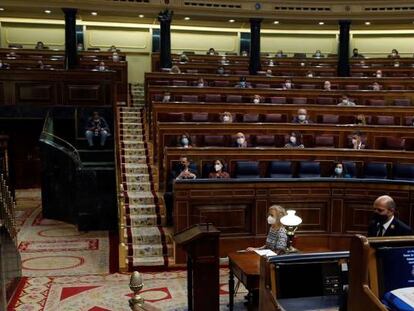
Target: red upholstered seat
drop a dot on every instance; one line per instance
(396, 87)
(215, 98)
(324, 141)
(199, 117)
(408, 120)
(299, 100)
(357, 74)
(376, 102)
(262, 86)
(172, 117)
(308, 86)
(325, 100)
(251, 117)
(189, 98)
(234, 98)
(179, 82)
(265, 140)
(402, 102)
(274, 118)
(221, 83)
(214, 141)
(352, 87)
(278, 100)
(385, 120)
(192, 71)
(330, 119)
(393, 143)
(241, 72)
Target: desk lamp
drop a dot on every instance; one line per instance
(291, 223)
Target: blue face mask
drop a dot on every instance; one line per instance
(185, 141)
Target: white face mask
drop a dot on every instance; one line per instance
(292, 139)
(345, 101)
(302, 64)
(218, 167)
(302, 117)
(115, 57)
(327, 87)
(185, 141)
(394, 54)
(256, 100)
(354, 141)
(379, 75)
(288, 85)
(1, 64)
(167, 98)
(396, 65)
(376, 87)
(318, 54)
(310, 75)
(338, 170)
(271, 63)
(240, 141)
(271, 220)
(101, 68)
(226, 118)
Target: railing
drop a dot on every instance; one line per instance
(7, 209)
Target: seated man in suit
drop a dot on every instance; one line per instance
(384, 222)
(184, 169)
(302, 117)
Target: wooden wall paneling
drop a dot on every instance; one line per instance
(31, 92)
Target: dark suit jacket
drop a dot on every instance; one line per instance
(396, 228)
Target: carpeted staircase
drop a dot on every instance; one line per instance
(147, 243)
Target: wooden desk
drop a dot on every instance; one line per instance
(245, 267)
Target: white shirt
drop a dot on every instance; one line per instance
(387, 224)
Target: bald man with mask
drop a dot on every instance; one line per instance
(384, 222)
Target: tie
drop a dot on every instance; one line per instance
(380, 230)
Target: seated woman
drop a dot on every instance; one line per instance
(218, 171)
(327, 86)
(226, 117)
(166, 98)
(376, 86)
(294, 141)
(276, 238)
(40, 46)
(212, 51)
(201, 82)
(309, 74)
(287, 85)
(318, 54)
(340, 171)
(243, 84)
(257, 99)
(112, 48)
(360, 120)
(184, 58)
(220, 70)
(394, 54)
(184, 141)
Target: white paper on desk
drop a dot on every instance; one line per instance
(265, 252)
(406, 294)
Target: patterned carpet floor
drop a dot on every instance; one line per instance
(68, 270)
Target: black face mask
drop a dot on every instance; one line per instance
(378, 218)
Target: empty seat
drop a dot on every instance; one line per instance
(189, 98)
(280, 169)
(350, 168)
(179, 82)
(262, 86)
(408, 121)
(325, 141)
(376, 102)
(234, 98)
(352, 87)
(247, 169)
(385, 120)
(375, 170)
(357, 74)
(396, 87)
(221, 83)
(161, 82)
(403, 171)
(265, 140)
(251, 117)
(393, 143)
(199, 117)
(325, 100)
(309, 169)
(402, 102)
(172, 117)
(214, 141)
(326, 74)
(308, 86)
(299, 55)
(330, 119)
(278, 100)
(215, 98)
(241, 72)
(274, 118)
(299, 100)
(192, 71)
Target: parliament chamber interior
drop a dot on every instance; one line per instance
(201, 155)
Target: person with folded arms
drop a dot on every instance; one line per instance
(184, 169)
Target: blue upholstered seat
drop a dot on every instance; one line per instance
(375, 170)
(247, 169)
(403, 171)
(280, 169)
(309, 169)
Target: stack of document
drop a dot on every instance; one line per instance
(265, 252)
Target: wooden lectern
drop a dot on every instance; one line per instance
(201, 243)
